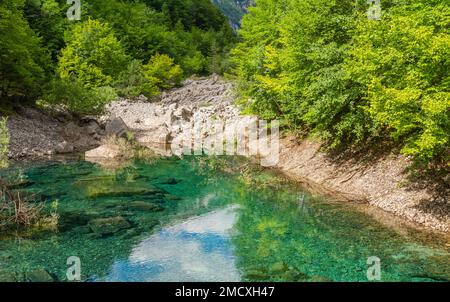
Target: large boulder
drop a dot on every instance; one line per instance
(93, 128)
(64, 147)
(104, 151)
(160, 135)
(182, 113)
(116, 127)
(72, 132)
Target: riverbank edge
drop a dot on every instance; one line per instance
(381, 181)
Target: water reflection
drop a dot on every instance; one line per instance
(198, 249)
(279, 233)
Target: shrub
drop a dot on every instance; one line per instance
(17, 212)
(78, 99)
(132, 82)
(162, 72)
(194, 63)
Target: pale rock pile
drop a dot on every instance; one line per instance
(198, 102)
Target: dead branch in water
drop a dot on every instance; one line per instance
(14, 210)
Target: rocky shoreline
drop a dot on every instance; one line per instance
(34, 134)
(381, 182)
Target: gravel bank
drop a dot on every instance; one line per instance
(36, 134)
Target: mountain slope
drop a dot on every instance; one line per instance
(234, 10)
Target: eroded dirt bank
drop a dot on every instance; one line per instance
(382, 182)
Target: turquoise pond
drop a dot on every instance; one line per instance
(205, 219)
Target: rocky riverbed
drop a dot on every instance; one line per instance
(379, 181)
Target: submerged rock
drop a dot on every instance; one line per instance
(73, 220)
(118, 191)
(131, 233)
(257, 275)
(293, 275)
(147, 223)
(82, 229)
(40, 275)
(317, 278)
(170, 181)
(143, 206)
(278, 267)
(7, 276)
(108, 226)
(172, 197)
(278, 271)
(22, 184)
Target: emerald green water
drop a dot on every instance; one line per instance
(205, 219)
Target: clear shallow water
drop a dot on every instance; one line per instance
(200, 219)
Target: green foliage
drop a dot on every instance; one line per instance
(4, 142)
(191, 13)
(22, 57)
(40, 47)
(161, 72)
(132, 82)
(93, 55)
(324, 66)
(403, 63)
(141, 29)
(76, 98)
(48, 19)
(184, 30)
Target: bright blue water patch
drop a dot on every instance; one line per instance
(198, 249)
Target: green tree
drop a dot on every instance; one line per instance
(325, 67)
(132, 82)
(93, 55)
(403, 64)
(48, 19)
(162, 72)
(76, 98)
(22, 57)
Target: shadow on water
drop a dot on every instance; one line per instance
(205, 219)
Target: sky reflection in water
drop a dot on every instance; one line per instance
(198, 249)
